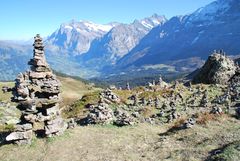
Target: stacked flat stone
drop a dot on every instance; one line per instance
(38, 93)
(109, 97)
(123, 118)
(100, 114)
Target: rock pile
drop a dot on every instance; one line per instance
(100, 114)
(123, 118)
(128, 87)
(108, 96)
(135, 100)
(204, 101)
(22, 135)
(162, 83)
(218, 69)
(234, 87)
(38, 93)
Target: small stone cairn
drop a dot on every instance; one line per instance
(100, 114)
(109, 97)
(123, 118)
(37, 93)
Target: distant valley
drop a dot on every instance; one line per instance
(151, 46)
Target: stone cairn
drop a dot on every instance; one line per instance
(100, 114)
(128, 87)
(37, 93)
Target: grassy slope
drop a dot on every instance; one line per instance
(5, 96)
(73, 89)
(141, 142)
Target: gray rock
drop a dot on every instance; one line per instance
(100, 114)
(123, 118)
(216, 110)
(189, 123)
(24, 127)
(55, 127)
(218, 69)
(71, 123)
(26, 135)
(238, 112)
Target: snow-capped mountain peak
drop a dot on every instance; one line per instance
(153, 21)
(76, 36)
(211, 10)
(87, 25)
(97, 27)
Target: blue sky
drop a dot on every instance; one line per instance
(22, 19)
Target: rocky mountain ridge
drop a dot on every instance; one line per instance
(183, 37)
(75, 37)
(121, 39)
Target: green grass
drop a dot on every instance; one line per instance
(6, 128)
(78, 107)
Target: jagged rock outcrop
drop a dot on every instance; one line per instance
(218, 69)
(37, 92)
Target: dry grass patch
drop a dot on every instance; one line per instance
(141, 143)
(204, 118)
(73, 89)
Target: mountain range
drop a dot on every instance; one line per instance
(152, 45)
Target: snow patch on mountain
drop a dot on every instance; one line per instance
(75, 37)
(97, 27)
(211, 10)
(153, 21)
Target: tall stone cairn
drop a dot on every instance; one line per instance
(37, 92)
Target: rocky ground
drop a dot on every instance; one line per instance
(159, 121)
(140, 142)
